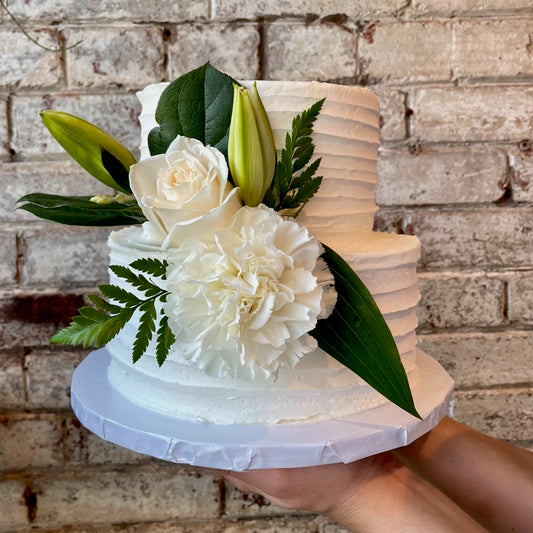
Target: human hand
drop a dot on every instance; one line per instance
(373, 495)
(323, 488)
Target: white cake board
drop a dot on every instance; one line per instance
(112, 417)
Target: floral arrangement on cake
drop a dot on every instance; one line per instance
(240, 274)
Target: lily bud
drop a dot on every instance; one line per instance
(84, 142)
(251, 150)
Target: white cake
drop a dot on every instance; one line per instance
(346, 136)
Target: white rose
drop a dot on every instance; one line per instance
(244, 304)
(184, 192)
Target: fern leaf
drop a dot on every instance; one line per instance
(294, 184)
(146, 329)
(150, 265)
(136, 280)
(120, 295)
(165, 340)
(102, 304)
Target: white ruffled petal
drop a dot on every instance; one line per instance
(244, 300)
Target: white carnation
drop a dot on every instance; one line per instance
(245, 303)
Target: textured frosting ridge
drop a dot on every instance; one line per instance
(346, 137)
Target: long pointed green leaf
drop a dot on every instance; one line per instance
(146, 329)
(84, 142)
(80, 211)
(357, 335)
(165, 340)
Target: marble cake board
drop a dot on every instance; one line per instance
(112, 417)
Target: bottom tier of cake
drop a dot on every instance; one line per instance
(317, 387)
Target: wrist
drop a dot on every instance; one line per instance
(371, 476)
(393, 498)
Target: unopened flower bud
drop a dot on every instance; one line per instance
(251, 150)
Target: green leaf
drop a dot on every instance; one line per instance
(102, 304)
(146, 329)
(78, 333)
(294, 183)
(304, 187)
(80, 211)
(165, 340)
(152, 266)
(136, 280)
(113, 325)
(118, 294)
(95, 315)
(92, 328)
(357, 335)
(198, 105)
(84, 142)
(96, 326)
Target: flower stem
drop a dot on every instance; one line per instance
(35, 41)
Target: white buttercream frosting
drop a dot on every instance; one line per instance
(346, 137)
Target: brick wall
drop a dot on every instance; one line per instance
(455, 78)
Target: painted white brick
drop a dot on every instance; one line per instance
(520, 297)
(30, 319)
(115, 113)
(11, 381)
(407, 60)
(232, 48)
(266, 525)
(323, 8)
(459, 114)
(13, 511)
(116, 10)
(459, 300)
(471, 238)
(8, 258)
(48, 377)
(130, 57)
(273, 525)
(28, 441)
(475, 7)
(52, 177)
(392, 114)
(490, 48)
(4, 140)
(248, 504)
(85, 448)
(310, 52)
(24, 64)
(441, 176)
(65, 254)
(334, 528)
(521, 163)
(503, 414)
(488, 359)
(125, 496)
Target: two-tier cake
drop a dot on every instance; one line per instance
(346, 137)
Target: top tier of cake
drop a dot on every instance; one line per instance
(346, 138)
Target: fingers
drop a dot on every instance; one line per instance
(244, 481)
